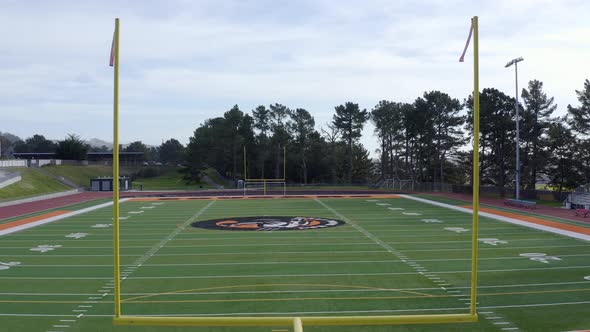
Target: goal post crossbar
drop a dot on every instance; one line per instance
(265, 186)
(297, 322)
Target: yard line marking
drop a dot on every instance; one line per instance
(369, 235)
(67, 320)
(61, 326)
(509, 328)
(295, 275)
(309, 312)
(502, 323)
(409, 262)
(494, 317)
(144, 257)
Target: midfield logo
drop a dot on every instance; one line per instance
(268, 223)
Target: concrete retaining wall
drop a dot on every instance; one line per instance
(8, 179)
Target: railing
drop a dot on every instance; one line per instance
(13, 163)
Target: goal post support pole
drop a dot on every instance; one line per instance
(475, 222)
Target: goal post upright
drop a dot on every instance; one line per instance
(116, 231)
(475, 209)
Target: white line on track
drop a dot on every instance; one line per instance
(59, 217)
(553, 230)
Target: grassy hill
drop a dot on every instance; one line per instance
(80, 175)
(32, 183)
(170, 179)
(167, 178)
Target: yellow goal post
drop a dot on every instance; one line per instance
(297, 322)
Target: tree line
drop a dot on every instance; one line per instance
(75, 148)
(428, 140)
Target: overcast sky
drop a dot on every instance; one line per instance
(185, 61)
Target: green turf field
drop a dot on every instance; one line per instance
(386, 259)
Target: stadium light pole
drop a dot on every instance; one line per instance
(515, 63)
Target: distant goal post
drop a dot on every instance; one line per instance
(265, 187)
(397, 184)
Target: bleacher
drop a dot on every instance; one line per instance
(520, 203)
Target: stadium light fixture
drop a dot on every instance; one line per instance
(515, 63)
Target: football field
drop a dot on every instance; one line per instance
(303, 256)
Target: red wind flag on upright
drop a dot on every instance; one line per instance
(112, 60)
(467, 43)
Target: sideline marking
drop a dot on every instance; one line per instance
(18, 225)
(32, 219)
(577, 232)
